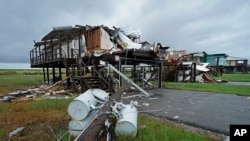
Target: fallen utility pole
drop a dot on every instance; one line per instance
(91, 132)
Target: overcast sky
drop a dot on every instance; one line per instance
(214, 26)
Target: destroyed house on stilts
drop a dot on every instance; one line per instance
(84, 51)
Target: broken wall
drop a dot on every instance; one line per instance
(97, 39)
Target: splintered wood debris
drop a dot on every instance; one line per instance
(32, 93)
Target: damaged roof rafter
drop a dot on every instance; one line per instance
(66, 31)
(57, 33)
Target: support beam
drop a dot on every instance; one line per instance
(217, 63)
(183, 73)
(60, 47)
(193, 72)
(44, 78)
(67, 56)
(47, 75)
(40, 55)
(31, 58)
(67, 74)
(119, 68)
(36, 58)
(45, 52)
(54, 75)
(134, 73)
(160, 75)
(60, 73)
(79, 55)
(52, 49)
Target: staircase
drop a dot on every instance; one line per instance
(75, 67)
(172, 67)
(70, 62)
(90, 82)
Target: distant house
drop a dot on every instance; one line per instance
(236, 64)
(221, 60)
(198, 57)
(216, 60)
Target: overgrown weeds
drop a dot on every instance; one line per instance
(41, 119)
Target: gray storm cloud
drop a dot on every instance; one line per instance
(195, 25)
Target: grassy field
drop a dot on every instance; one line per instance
(216, 87)
(238, 77)
(42, 119)
(9, 83)
(209, 87)
(47, 119)
(158, 130)
(12, 79)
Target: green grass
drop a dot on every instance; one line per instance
(50, 104)
(1, 133)
(12, 79)
(13, 82)
(21, 71)
(39, 114)
(37, 105)
(216, 87)
(157, 130)
(238, 77)
(27, 71)
(210, 87)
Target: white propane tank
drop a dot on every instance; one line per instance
(99, 95)
(126, 124)
(76, 126)
(80, 107)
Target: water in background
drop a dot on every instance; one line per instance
(14, 65)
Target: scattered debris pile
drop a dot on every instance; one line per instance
(49, 91)
(199, 71)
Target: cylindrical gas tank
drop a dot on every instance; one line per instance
(77, 126)
(126, 125)
(80, 107)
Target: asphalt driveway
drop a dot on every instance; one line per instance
(210, 111)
